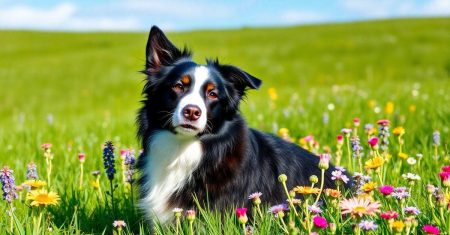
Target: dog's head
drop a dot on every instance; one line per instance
(185, 97)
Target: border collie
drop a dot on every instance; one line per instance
(196, 143)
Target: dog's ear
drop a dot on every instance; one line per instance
(240, 79)
(161, 52)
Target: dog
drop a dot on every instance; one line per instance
(197, 145)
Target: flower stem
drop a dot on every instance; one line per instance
(191, 229)
(291, 204)
(322, 180)
(112, 198)
(81, 176)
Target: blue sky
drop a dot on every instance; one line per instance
(139, 15)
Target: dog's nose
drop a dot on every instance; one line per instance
(192, 112)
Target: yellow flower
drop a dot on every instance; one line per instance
(42, 198)
(372, 104)
(273, 93)
(398, 131)
(369, 186)
(412, 108)
(397, 225)
(403, 155)
(95, 184)
(389, 107)
(374, 163)
(306, 190)
(35, 184)
(365, 196)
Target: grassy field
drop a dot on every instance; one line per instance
(77, 90)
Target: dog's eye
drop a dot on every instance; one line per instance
(212, 95)
(178, 87)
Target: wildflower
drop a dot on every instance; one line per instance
(81, 157)
(436, 138)
(431, 188)
(119, 224)
(282, 178)
(332, 193)
(386, 190)
(284, 134)
(359, 207)
(35, 184)
(313, 179)
(369, 187)
(430, 229)
(129, 163)
(177, 212)
(368, 225)
(402, 155)
(255, 197)
(356, 122)
(42, 198)
(411, 177)
(374, 163)
(368, 129)
(324, 162)
(31, 171)
(242, 215)
(340, 168)
(46, 146)
(340, 140)
(95, 173)
(383, 127)
(397, 226)
(400, 193)
(411, 210)
(190, 215)
(273, 93)
(306, 190)
(373, 142)
(333, 228)
(346, 131)
(411, 161)
(8, 185)
(389, 107)
(108, 160)
(278, 210)
(339, 176)
(399, 131)
(314, 209)
(383, 122)
(356, 147)
(320, 222)
(387, 215)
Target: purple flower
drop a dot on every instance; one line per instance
(254, 196)
(8, 186)
(129, 162)
(314, 209)
(340, 168)
(108, 160)
(346, 131)
(411, 210)
(356, 147)
(367, 225)
(400, 195)
(31, 171)
(436, 138)
(368, 127)
(338, 175)
(278, 208)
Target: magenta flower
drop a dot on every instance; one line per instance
(340, 139)
(446, 168)
(241, 212)
(320, 222)
(383, 122)
(81, 157)
(324, 162)
(389, 215)
(309, 138)
(356, 121)
(386, 190)
(430, 229)
(46, 146)
(373, 141)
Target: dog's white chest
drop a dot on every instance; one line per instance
(170, 162)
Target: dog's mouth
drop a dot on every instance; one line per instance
(188, 127)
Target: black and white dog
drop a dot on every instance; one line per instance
(196, 142)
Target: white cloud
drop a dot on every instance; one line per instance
(437, 7)
(60, 17)
(298, 16)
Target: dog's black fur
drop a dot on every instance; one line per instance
(237, 160)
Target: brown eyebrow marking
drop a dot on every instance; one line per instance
(185, 80)
(210, 87)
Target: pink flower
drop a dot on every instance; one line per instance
(190, 215)
(373, 141)
(383, 122)
(444, 175)
(359, 207)
(340, 139)
(324, 162)
(309, 138)
(320, 222)
(386, 190)
(446, 168)
(242, 215)
(81, 157)
(389, 215)
(46, 146)
(429, 229)
(356, 121)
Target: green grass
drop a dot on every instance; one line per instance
(88, 84)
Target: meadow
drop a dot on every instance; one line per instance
(79, 90)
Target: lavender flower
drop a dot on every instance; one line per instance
(368, 127)
(278, 209)
(8, 186)
(411, 210)
(356, 147)
(399, 195)
(436, 138)
(383, 135)
(129, 162)
(314, 209)
(108, 159)
(368, 225)
(31, 171)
